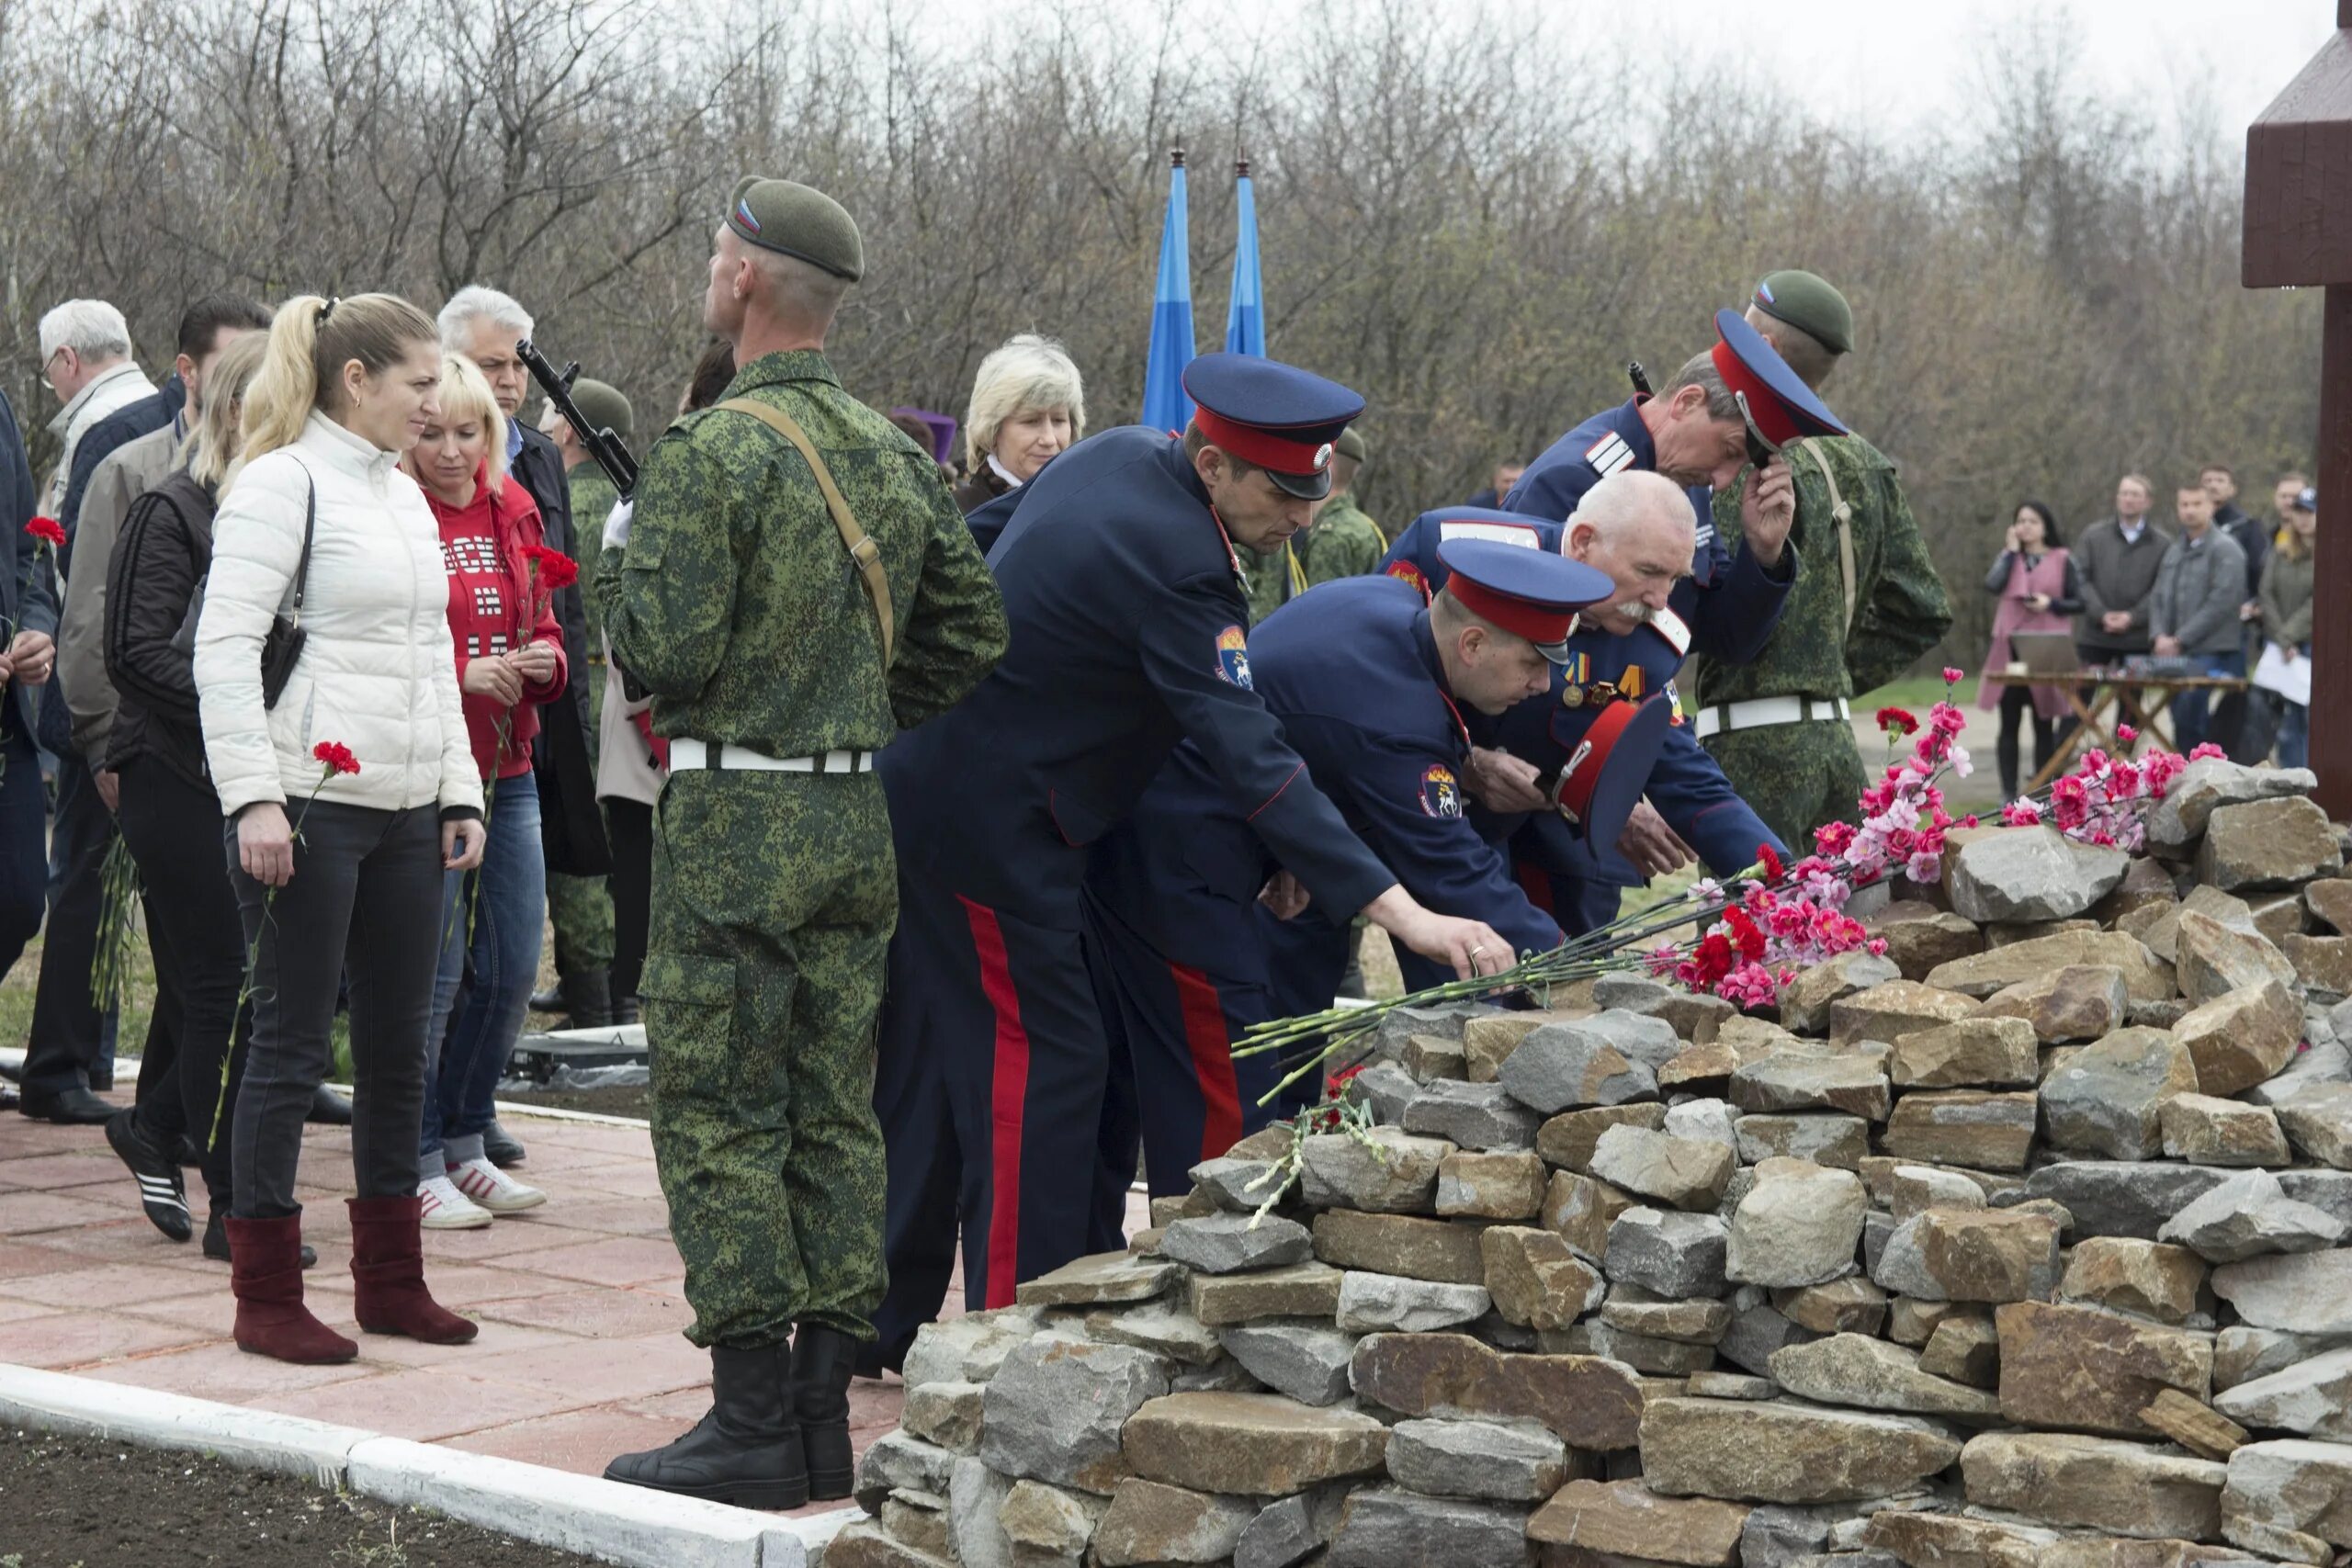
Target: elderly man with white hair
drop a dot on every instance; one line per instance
(486, 326)
(85, 359)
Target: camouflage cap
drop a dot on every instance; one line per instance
(797, 221)
(1350, 444)
(1809, 303)
(602, 405)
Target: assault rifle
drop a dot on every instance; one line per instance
(602, 445)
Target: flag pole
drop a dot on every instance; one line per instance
(1245, 315)
(1165, 406)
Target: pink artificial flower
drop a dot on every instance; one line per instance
(1832, 838)
(1952, 675)
(2126, 734)
(1925, 867)
(2204, 750)
(1877, 946)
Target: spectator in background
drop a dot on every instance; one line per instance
(936, 434)
(2286, 596)
(2253, 537)
(2035, 588)
(509, 662)
(1028, 403)
(31, 608)
(169, 815)
(485, 326)
(2289, 489)
(584, 992)
(345, 387)
(2116, 562)
(631, 764)
(1505, 479)
(85, 359)
(2193, 612)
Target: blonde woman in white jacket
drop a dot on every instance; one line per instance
(345, 388)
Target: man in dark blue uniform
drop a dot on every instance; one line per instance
(1373, 688)
(1634, 527)
(1127, 613)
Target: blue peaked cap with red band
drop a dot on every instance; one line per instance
(1282, 419)
(1783, 407)
(1529, 594)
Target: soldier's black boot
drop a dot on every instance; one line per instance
(822, 1360)
(746, 1451)
(587, 999)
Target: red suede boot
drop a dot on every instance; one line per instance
(388, 1268)
(265, 1273)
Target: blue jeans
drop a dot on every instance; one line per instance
(509, 911)
(2192, 709)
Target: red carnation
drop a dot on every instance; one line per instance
(1899, 721)
(335, 757)
(1769, 858)
(1745, 932)
(48, 531)
(553, 569)
(1952, 675)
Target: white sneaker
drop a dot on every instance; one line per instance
(447, 1209)
(494, 1189)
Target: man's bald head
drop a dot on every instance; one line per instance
(1639, 528)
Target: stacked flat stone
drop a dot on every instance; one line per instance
(2023, 1244)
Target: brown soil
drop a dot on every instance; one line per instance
(79, 1503)
(633, 1101)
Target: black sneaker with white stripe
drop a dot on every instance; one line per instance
(163, 1192)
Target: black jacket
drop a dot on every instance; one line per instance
(571, 825)
(159, 558)
(28, 600)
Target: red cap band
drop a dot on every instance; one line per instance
(1581, 777)
(1541, 625)
(1263, 447)
(1770, 416)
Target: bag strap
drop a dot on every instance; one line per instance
(1844, 513)
(310, 527)
(861, 550)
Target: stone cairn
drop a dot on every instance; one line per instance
(2022, 1246)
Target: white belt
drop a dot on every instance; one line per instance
(1723, 717)
(685, 756)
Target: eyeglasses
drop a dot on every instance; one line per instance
(45, 364)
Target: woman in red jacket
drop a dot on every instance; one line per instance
(510, 660)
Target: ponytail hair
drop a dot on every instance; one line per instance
(310, 340)
(212, 445)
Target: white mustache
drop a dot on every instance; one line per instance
(1634, 611)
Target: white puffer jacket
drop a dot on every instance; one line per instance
(378, 671)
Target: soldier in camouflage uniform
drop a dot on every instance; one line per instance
(1865, 605)
(1341, 541)
(734, 593)
(581, 908)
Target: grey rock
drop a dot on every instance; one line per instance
(1385, 1171)
(1563, 1065)
(2246, 1215)
(1164, 1328)
(2269, 843)
(968, 1348)
(2241, 1354)
(2292, 1485)
(1853, 1369)
(1228, 1244)
(1374, 1303)
(2311, 1397)
(1387, 1087)
(1798, 1225)
(1684, 1172)
(1224, 1375)
(975, 1496)
(1791, 1080)
(1757, 1332)
(1388, 1527)
(1630, 993)
(2117, 1197)
(2234, 913)
(1668, 1252)
(1913, 1189)
(1706, 1121)
(1236, 1184)
(1301, 1357)
(2178, 821)
(1506, 1461)
(1444, 1021)
(1288, 1528)
(1150, 1524)
(2215, 961)
(1637, 1036)
(2107, 1097)
(2308, 1292)
(2318, 1122)
(899, 1463)
(2032, 874)
(1472, 1115)
(1825, 1137)
(2326, 1061)
(2329, 1191)
(1804, 1005)
(1055, 1411)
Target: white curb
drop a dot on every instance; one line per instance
(574, 1512)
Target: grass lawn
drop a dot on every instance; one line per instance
(1916, 693)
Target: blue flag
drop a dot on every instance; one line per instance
(1245, 318)
(1165, 406)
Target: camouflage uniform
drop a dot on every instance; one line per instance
(1800, 775)
(773, 893)
(581, 908)
(1341, 542)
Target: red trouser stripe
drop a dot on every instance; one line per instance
(1212, 1060)
(1008, 1097)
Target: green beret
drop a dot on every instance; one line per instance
(602, 405)
(796, 221)
(1350, 444)
(1809, 303)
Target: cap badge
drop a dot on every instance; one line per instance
(1764, 292)
(1323, 457)
(743, 216)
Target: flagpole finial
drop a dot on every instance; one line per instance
(1176, 158)
(1241, 168)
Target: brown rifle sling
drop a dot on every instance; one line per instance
(861, 550)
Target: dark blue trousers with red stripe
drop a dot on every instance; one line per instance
(1175, 1086)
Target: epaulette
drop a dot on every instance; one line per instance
(1670, 626)
(1498, 533)
(1609, 453)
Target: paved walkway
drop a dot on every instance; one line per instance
(581, 1355)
